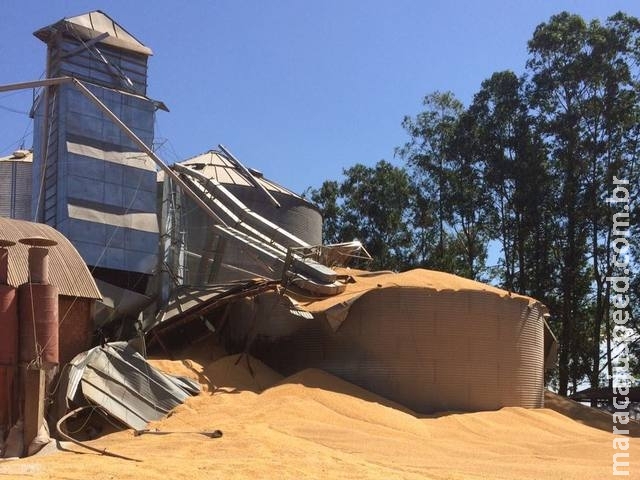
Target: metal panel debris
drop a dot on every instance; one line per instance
(118, 379)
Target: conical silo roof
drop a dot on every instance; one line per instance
(92, 25)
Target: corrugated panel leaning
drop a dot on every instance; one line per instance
(120, 380)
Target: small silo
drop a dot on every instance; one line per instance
(15, 185)
(207, 259)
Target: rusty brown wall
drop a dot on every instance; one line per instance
(38, 311)
(76, 326)
(431, 351)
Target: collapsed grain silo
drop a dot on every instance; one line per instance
(15, 185)
(201, 255)
(428, 340)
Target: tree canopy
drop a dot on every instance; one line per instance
(522, 176)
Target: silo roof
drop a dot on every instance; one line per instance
(67, 270)
(25, 156)
(92, 25)
(215, 165)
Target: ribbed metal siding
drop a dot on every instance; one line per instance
(66, 178)
(431, 351)
(6, 189)
(295, 215)
(84, 65)
(22, 192)
(15, 189)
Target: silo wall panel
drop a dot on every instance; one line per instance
(83, 65)
(294, 215)
(15, 189)
(36, 177)
(22, 191)
(431, 351)
(114, 247)
(5, 189)
(104, 182)
(85, 119)
(58, 163)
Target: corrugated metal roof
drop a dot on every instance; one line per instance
(119, 379)
(93, 24)
(214, 164)
(67, 270)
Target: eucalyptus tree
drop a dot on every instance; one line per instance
(469, 206)
(327, 199)
(518, 182)
(427, 156)
(583, 90)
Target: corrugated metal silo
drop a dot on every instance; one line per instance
(15, 185)
(428, 340)
(208, 259)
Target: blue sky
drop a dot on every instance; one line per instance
(297, 89)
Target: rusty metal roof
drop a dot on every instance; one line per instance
(67, 270)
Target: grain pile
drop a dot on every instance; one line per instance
(314, 425)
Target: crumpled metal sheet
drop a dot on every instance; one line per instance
(118, 379)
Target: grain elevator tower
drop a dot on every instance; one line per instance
(90, 181)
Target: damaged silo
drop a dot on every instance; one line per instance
(205, 255)
(428, 340)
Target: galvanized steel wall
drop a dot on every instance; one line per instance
(295, 215)
(430, 351)
(15, 189)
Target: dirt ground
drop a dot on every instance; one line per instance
(314, 425)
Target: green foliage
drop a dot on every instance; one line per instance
(583, 91)
(526, 169)
(427, 155)
(373, 205)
